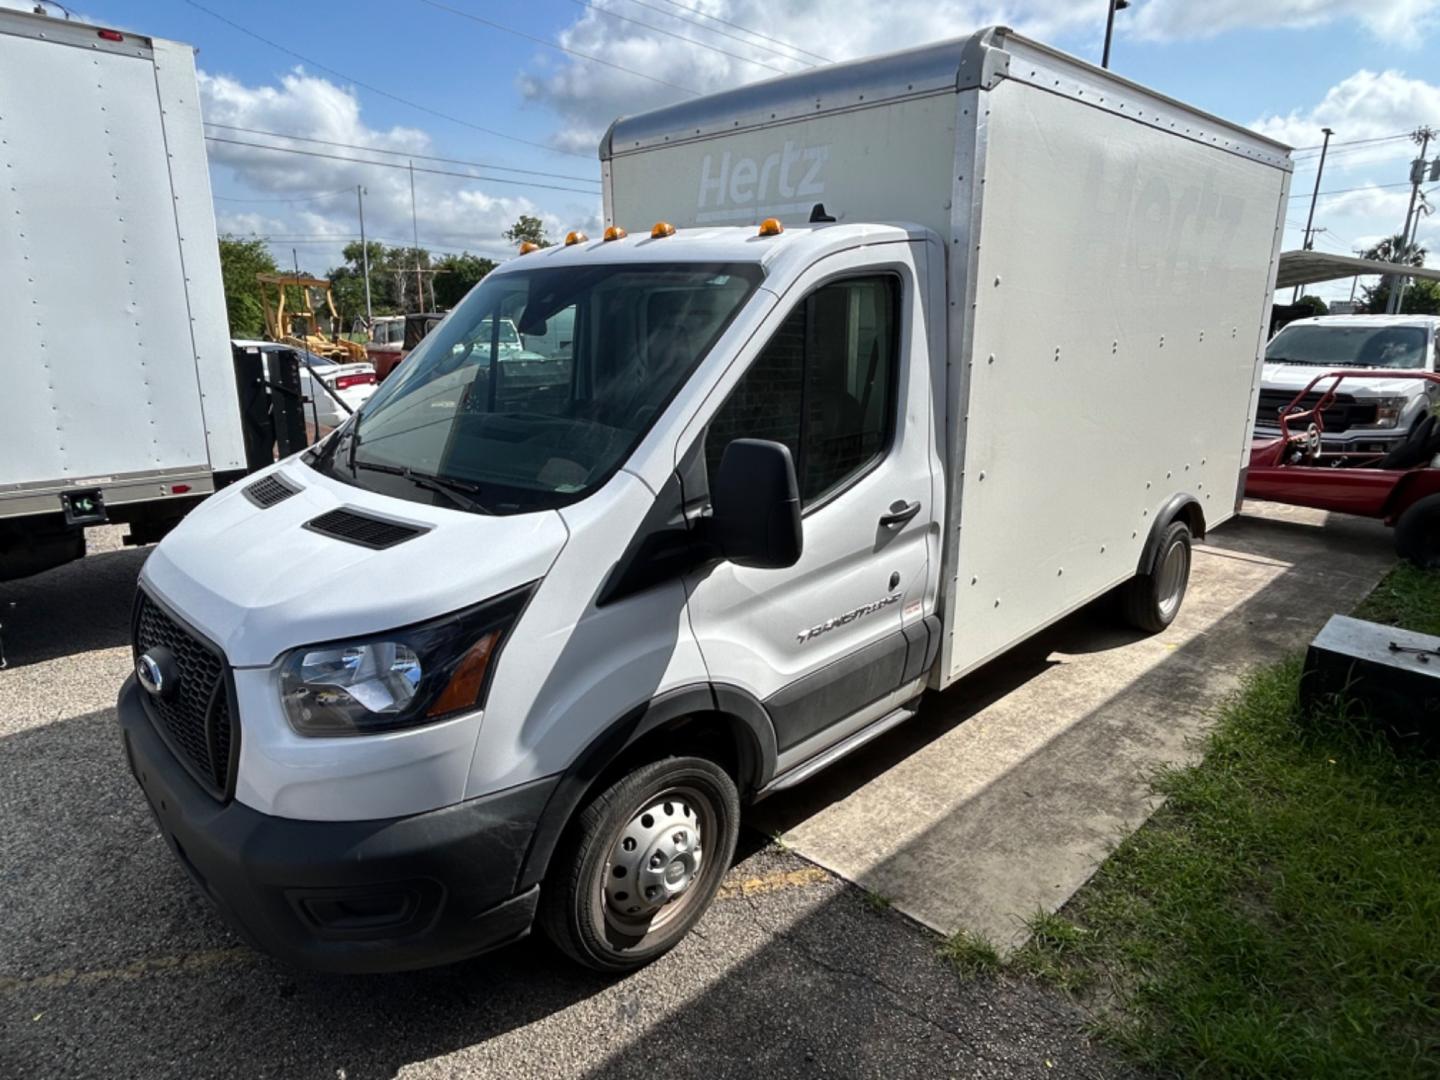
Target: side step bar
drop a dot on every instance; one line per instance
(806, 769)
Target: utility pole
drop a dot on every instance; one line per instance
(415, 234)
(364, 256)
(1115, 5)
(1314, 195)
(1417, 174)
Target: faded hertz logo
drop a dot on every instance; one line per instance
(788, 180)
(849, 617)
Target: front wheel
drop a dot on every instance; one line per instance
(641, 863)
(1151, 601)
(1417, 533)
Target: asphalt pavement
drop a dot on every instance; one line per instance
(112, 965)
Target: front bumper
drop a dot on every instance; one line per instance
(388, 894)
(1353, 441)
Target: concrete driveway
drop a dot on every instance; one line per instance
(111, 964)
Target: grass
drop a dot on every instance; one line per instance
(971, 955)
(1280, 914)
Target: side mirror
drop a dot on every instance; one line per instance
(756, 505)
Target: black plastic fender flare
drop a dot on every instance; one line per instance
(739, 707)
(1178, 505)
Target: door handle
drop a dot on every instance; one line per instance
(900, 513)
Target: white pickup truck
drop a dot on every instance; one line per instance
(900, 361)
(1372, 415)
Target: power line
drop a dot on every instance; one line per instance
(1362, 187)
(400, 153)
(375, 89)
(290, 199)
(722, 33)
(397, 165)
(680, 37)
(1355, 142)
(746, 29)
(552, 45)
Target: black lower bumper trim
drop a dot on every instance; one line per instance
(347, 896)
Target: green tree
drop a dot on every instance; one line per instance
(457, 275)
(1421, 297)
(1315, 305)
(240, 261)
(1393, 249)
(527, 228)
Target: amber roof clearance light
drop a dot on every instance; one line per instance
(661, 229)
(615, 232)
(771, 227)
(575, 237)
(528, 247)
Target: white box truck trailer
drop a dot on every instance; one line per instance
(119, 400)
(761, 474)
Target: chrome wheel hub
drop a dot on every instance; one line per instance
(656, 859)
(1173, 574)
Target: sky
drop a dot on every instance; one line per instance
(525, 88)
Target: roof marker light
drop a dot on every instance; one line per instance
(528, 247)
(110, 35)
(615, 232)
(661, 229)
(574, 237)
(771, 227)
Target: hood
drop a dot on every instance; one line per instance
(257, 582)
(1298, 376)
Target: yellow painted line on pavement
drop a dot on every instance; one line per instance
(140, 969)
(787, 879)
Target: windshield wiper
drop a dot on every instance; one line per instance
(354, 442)
(457, 491)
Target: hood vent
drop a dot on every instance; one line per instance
(370, 532)
(269, 490)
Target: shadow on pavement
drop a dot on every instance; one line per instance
(75, 608)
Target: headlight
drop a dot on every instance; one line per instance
(1388, 410)
(401, 679)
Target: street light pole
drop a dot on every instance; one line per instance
(364, 256)
(1314, 195)
(1114, 6)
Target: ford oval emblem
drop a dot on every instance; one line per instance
(156, 671)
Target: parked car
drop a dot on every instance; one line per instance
(1372, 415)
(656, 525)
(333, 389)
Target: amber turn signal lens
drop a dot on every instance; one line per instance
(575, 237)
(661, 229)
(771, 227)
(463, 689)
(615, 232)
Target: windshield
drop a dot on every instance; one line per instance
(539, 385)
(1349, 346)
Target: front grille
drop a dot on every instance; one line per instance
(1343, 414)
(362, 529)
(195, 717)
(269, 490)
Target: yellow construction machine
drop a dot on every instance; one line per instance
(302, 326)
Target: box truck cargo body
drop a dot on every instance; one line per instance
(876, 370)
(119, 400)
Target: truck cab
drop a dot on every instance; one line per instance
(1370, 416)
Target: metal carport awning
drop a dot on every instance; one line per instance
(1311, 267)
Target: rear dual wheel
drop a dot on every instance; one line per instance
(641, 863)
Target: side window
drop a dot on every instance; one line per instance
(824, 386)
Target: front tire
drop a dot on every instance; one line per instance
(1417, 533)
(1151, 601)
(640, 864)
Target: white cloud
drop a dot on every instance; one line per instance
(452, 213)
(1365, 105)
(1396, 22)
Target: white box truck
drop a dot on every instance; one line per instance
(920, 354)
(119, 400)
